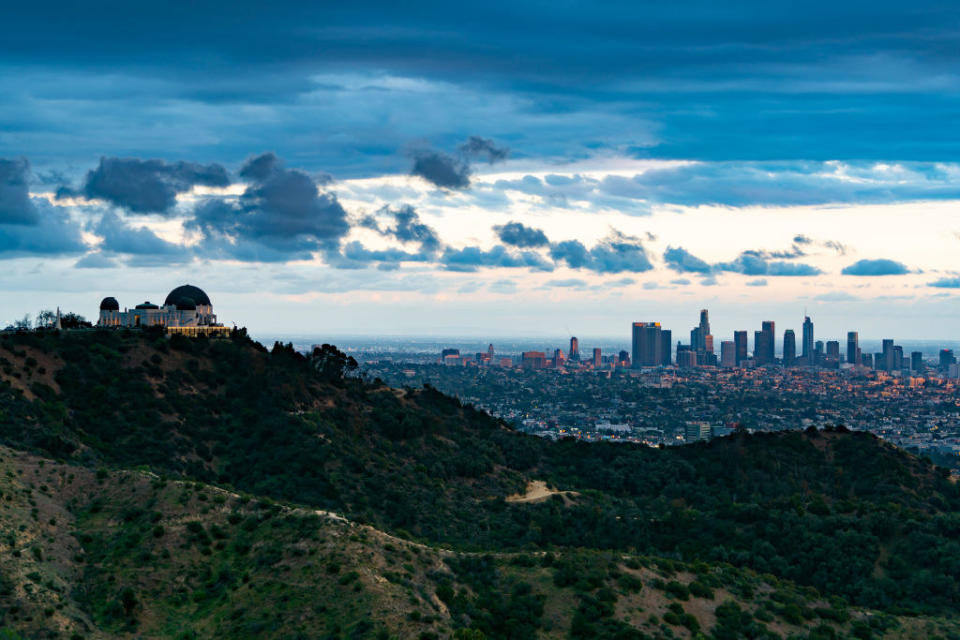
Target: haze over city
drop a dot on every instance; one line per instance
(497, 171)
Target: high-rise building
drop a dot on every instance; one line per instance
(946, 359)
(623, 358)
(897, 358)
(558, 358)
(866, 359)
(887, 355)
(728, 354)
(916, 361)
(807, 347)
(533, 359)
(818, 352)
(764, 343)
(596, 357)
(789, 348)
(666, 347)
(574, 349)
(686, 358)
(853, 347)
(490, 350)
(833, 350)
(647, 344)
(740, 345)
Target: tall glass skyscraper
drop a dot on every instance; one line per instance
(807, 352)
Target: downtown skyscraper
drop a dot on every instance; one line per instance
(807, 347)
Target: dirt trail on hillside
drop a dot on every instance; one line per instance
(537, 491)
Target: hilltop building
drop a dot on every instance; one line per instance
(186, 310)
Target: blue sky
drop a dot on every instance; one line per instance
(486, 169)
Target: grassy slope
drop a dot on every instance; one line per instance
(128, 554)
(840, 511)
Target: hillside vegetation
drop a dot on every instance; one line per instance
(854, 523)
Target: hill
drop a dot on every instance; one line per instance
(102, 554)
(839, 512)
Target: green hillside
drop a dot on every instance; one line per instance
(854, 523)
(102, 554)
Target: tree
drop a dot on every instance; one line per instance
(74, 321)
(331, 363)
(45, 319)
(22, 324)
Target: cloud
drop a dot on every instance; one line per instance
(840, 248)
(280, 216)
(802, 239)
(95, 260)
(753, 263)
(441, 169)
(617, 253)
(651, 285)
(356, 256)
(836, 296)
(503, 286)
(15, 204)
(517, 234)
(483, 148)
(54, 233)
(879, 267)
(682, 261)
(569, 283)
(470, 259)
(408, 228)
(760, 282)
(453, 171)
(945, 283)
(680, 281)
(119, 237)
(146, 186)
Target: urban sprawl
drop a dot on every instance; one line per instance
(663, 394)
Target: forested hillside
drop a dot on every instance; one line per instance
(838, 512)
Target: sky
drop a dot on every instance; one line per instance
(504, 169)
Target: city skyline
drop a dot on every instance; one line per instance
(333, 176)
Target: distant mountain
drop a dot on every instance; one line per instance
(493, 515)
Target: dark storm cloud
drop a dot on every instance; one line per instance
(281, 213)
(441, 169)
(617, 253)
(682, 261)
(517, 234)
(15, 204)
(147, 186)
(878, 267)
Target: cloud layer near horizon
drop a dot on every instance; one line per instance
(269, 213)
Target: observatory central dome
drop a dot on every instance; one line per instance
(187, 291)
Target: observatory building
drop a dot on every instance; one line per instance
(186, 309)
